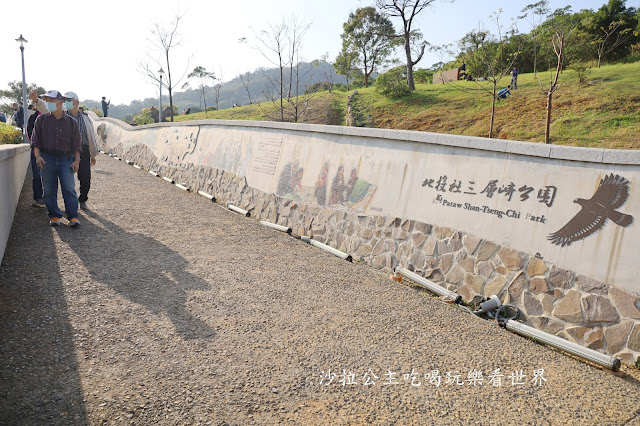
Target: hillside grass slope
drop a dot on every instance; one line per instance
(603, 112)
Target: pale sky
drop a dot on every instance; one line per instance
(93, 48)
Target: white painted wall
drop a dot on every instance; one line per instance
(401, 170)
(14, 160)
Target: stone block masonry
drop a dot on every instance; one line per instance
(561, 302)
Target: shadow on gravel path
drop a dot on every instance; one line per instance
(39, 378)
(141, 269)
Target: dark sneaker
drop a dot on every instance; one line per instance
(54, 221)
(74, 222)
(83, 205)
(38, 203)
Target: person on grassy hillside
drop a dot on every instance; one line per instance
(514, 77)
(504, 93)
(57, 146)
(462, 72)
(89, 146)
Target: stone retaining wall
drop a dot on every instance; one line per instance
(552, 299)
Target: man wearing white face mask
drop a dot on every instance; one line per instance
(56, 148)
(89, 146)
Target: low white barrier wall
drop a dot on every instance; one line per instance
(532, 197)
(550, 228)
(14, 160)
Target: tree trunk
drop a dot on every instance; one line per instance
(493, 112)
(169, 85)
(171, 103)
(281, 94)
(548, 123)
(407, 49)
(204, 100)
(410, 82)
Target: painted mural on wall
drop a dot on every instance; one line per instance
(611, 194)
(354, 194)
(175, 147)
(230, 155)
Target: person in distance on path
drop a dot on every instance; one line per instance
(105, 106)
(37, 179)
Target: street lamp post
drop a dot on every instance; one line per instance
(161, 73)
(25, 115)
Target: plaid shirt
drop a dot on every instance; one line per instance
(82, 126)
(56, 136)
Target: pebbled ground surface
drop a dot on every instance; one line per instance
(163, 308)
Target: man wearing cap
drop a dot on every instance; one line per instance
(56, 147)
(89, 145)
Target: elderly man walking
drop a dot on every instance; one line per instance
(89, 145)
(56, 147)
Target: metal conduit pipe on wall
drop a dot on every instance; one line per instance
(606, 361)
(276, 227)
(238, 209)
(429, 285)
(327, 248)
(209, 196)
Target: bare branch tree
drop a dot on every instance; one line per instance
(607, 44)
(537, 11)
(562, 24)
(164, 39)
(492, 59)
(407, 11)
(217, 87)
(281, 45)
(246, 80)
(328, 70)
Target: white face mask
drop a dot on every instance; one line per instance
(52, 106)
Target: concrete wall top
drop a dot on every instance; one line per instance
(533, 149)
(8, 151)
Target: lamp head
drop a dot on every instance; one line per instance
(22, 41)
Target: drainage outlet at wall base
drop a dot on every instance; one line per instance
(491, 304)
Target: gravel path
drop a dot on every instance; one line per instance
(165, 309)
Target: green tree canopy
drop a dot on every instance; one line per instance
(371, 35)
(14, 94)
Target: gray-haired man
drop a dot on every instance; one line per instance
(89, 146)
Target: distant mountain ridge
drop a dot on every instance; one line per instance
(232, 91)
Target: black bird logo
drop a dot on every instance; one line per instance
(611, 194)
